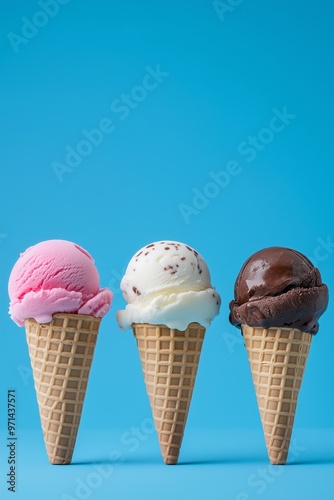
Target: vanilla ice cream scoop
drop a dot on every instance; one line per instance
(168, 283)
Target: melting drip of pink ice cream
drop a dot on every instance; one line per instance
(55, 276)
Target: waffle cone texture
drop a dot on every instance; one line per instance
(169, 360)
(277, 358)
(61, 354)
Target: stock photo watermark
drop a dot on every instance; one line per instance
(31, 27)
(233, 340)
(115, 280)
(11, 441)
(129, 442)
(249, 149)
(25, 373)
(121, 108)
(259, 481)
(324, 249)
(3, 236)
(223, 8)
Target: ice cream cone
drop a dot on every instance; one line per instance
(61, 354)
(277, 358)
(169, 360)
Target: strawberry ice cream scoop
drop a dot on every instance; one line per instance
(55, 276)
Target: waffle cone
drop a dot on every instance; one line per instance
(277, 358)
(169, 360)
(61, 354)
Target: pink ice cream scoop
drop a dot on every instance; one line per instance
(55, 276)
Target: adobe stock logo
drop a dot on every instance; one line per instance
(323, 249)
(121, 108)
(262, 479)
(222, 8)
(115, 280)
(3, 236)
(30, 27)
(130, 442)
(248, 148)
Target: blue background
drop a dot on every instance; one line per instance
(227, 70)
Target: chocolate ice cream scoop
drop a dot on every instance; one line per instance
(279, 287)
